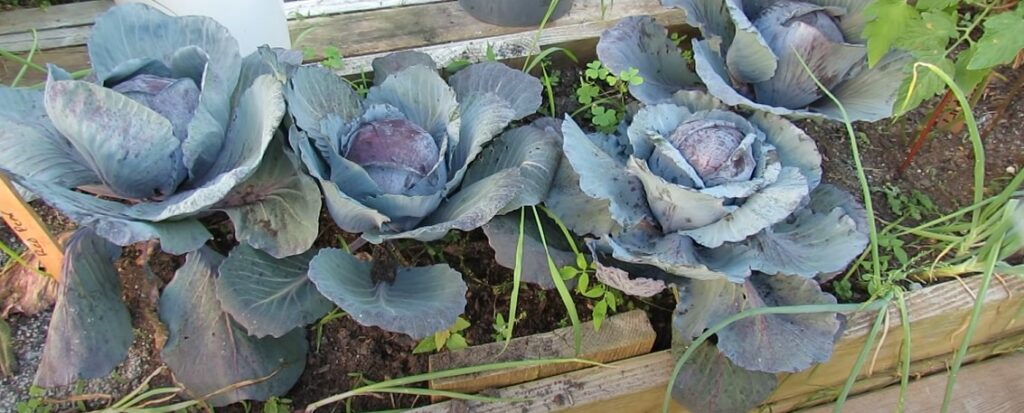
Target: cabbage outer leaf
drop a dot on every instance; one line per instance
(111, 221)
(674, 254)
(579, 212)
(467, 209)
(420, 302)
(314, 92)
(421, 95)
(519, 90)
(604, 176)
(484, 116)
(767, 207)
(384, 67)
(31, 147)
(208, 351)
(255, 122)
(771, 343)
(710, 16)
(139, 32)
(641, 43)
(823, 237)
(531, 149)
(278, 208)
(503, 236)
(868, 95)
(748, 57)
(269, 296)
(349, 214)
(710, 383)
(129, 146)
(90, 330)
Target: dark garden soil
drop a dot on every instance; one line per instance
(943, 169)
(347, 354)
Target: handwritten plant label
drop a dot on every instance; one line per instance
(27, 225)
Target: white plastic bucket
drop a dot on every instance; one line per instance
(252, 22)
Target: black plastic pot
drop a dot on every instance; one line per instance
(514, 13)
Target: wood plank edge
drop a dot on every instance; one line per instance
(918, 369)
(622, 336)
(16, 35)
(305, 9)
(991, 385)
(652, 370)
(505, 47)
(52, 17)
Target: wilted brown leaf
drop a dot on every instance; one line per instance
(24, 290)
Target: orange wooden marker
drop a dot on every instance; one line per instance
(29, 228)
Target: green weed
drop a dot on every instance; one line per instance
(451, 339)
(603, 95)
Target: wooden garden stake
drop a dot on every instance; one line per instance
(29, 228)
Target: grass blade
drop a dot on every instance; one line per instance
(441, 375)
(986, 279)
(862, 357)
(563, 291)
(901, 302)
(517, 279)
(31, 54)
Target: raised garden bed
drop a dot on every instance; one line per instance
(365, 30)
(937, 316)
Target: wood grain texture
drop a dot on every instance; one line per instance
(992, 386)
(70, 24)
(937, 315)
(71, 59)
(447, 33)
(918, 369)
(53, 17)
(441, 29)
(312, 8)
(621, 336)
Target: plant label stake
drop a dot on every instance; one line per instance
(29, 228)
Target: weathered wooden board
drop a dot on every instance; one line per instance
(918, 369)
(446, 32)
(938, 315)
(312, 8)
(441, 29)
(621, 336)
(71, 59)
(992, 386)
(70, 24)
(53, 17)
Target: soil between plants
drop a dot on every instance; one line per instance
(349, 354)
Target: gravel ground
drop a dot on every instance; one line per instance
(8, 238)
(29, 334)
(29, 337)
